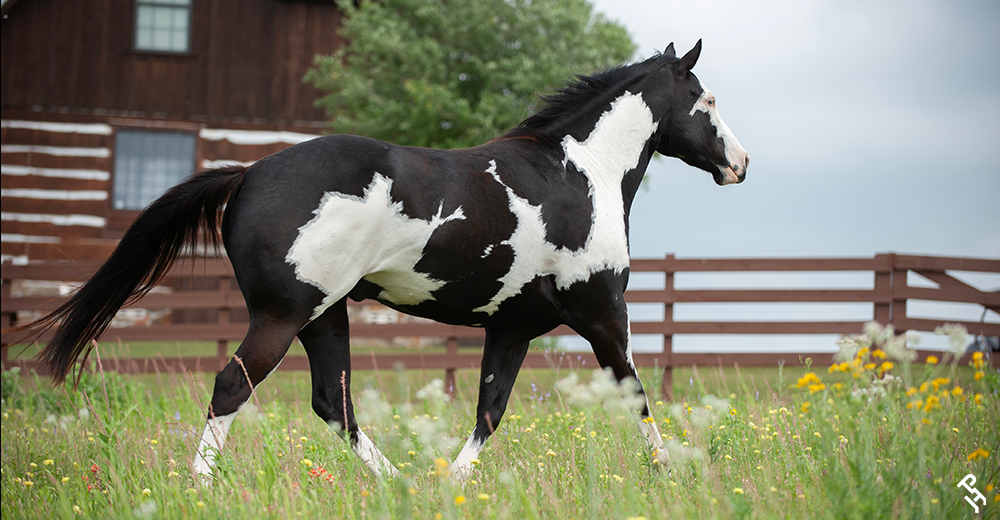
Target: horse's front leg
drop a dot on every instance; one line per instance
(503, 353)
(603, 321)
(327, 343)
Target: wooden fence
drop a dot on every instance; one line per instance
(888, 297)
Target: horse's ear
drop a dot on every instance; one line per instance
(669, 51)
(686, 63)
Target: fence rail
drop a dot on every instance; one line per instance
(888, 297)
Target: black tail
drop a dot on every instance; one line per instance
(144, 255)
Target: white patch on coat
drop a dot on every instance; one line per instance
(372, 457)
(611, 150)
(368, 237)
(212, 440)
(736, 156)
(462, 467)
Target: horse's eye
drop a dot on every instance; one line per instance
(711, 102)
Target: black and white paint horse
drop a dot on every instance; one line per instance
(518, 235)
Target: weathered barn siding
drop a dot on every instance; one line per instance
(71, 80)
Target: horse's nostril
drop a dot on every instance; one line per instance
(741, 177)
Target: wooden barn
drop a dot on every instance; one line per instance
(107, 103)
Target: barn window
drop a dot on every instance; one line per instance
(163, 25)
(148, 163)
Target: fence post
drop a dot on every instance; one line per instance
(899, 284)
(451, 349)
(883, 289)
(667, 385)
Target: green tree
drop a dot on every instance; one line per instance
(456, 73)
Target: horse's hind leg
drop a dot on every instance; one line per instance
(260, 353)
(503, 353)
(327, 343)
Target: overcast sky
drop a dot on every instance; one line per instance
(872, 127)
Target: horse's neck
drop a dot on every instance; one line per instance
(618, 144)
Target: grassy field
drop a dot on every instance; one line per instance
(846, 442)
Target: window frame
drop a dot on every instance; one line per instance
(120, 219)
(156, 3)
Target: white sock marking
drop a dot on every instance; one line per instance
(372, 457)
(212, 440)
(462, 467)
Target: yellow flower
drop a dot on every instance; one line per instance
(805, 407)
(48, 462)
(932, 360)
(937, 383)
(911, 390)
(979, 375)
(808, 379)
(978, 398)
(459, 500)
(146, 492)
(878, 354)
(816, 388)
(886, 366)
(307, 463)
(27, 483)
(200, 504)
(869, 366)
(738, 491)
(979, 454)
(932, 403)
(484, 497)
(956, 391)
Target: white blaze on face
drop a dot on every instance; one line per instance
(611, 150)
(365, 237)
(736, 156)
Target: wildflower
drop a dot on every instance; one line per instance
(806, 380)
(146, 492)
(64, 480)
(200, 504)
(738, 491)
(307, 463)
(979, 375)
(805, 407)
(27, 483)
(95, 469)
(878, 354)
(885, 367)
(957, 391)
(48, 462)
(978, 398)
(932, 403)
(484, 497)
(459, 500)
(932, 360)
(978, 454)
(937, 383)
(816, 388)
(441, 468)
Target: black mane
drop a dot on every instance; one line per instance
(580, 91)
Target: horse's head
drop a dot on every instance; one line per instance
(691, 128)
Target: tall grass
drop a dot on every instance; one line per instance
(860, 440)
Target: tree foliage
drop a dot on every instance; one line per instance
(455, 73)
